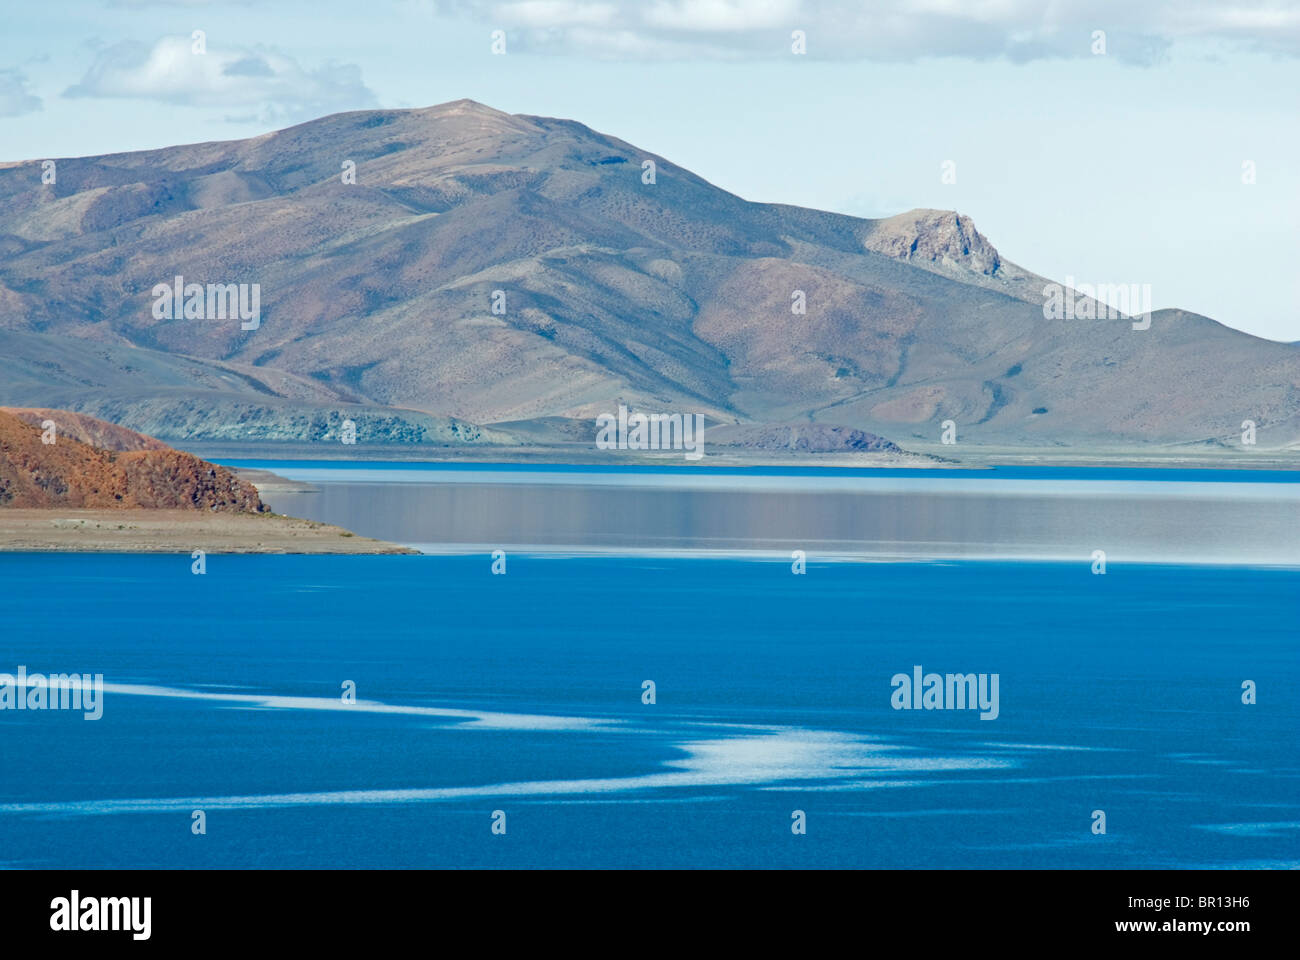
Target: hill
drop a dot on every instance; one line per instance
(489, 276)
(71, 473)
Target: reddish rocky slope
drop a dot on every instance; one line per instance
(72, 473)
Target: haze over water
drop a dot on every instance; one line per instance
(1183, 517)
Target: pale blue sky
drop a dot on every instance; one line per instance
(1122, 168)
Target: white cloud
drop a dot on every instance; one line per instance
(1137, 31)
(712, 16)
(261, 82)
(542, 13)
(177, 3)
(14, 96)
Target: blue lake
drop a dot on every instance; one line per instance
(523, 693)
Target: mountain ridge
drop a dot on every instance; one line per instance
(673, 295)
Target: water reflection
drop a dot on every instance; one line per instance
(1221, 523)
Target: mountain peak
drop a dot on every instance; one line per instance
(944, 238)
(463, 106)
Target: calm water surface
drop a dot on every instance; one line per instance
(1215, 517)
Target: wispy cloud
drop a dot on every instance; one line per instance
(179, 3)
(262, 82)
(15, 98)
(887, 30)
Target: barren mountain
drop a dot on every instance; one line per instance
(487, 269)
(70, 473)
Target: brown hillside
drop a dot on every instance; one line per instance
(87, 429)
(70, 473)
(378, 302)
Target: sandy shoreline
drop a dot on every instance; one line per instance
(176, 531)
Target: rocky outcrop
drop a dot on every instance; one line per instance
(803, 438)
(934, 236)
(70, 473)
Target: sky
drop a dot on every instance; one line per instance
(1111, 142)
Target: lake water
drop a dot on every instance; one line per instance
(523, 693)
(1207, 517)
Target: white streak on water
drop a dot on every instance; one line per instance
(782, 755)
(470, 718)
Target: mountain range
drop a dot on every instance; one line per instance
(459, 276)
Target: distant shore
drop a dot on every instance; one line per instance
(930, 456)
(176, 531)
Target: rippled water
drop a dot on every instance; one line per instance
(523, 694)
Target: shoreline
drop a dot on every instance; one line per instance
(821, 553)
(58, 530)
(918, 457)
